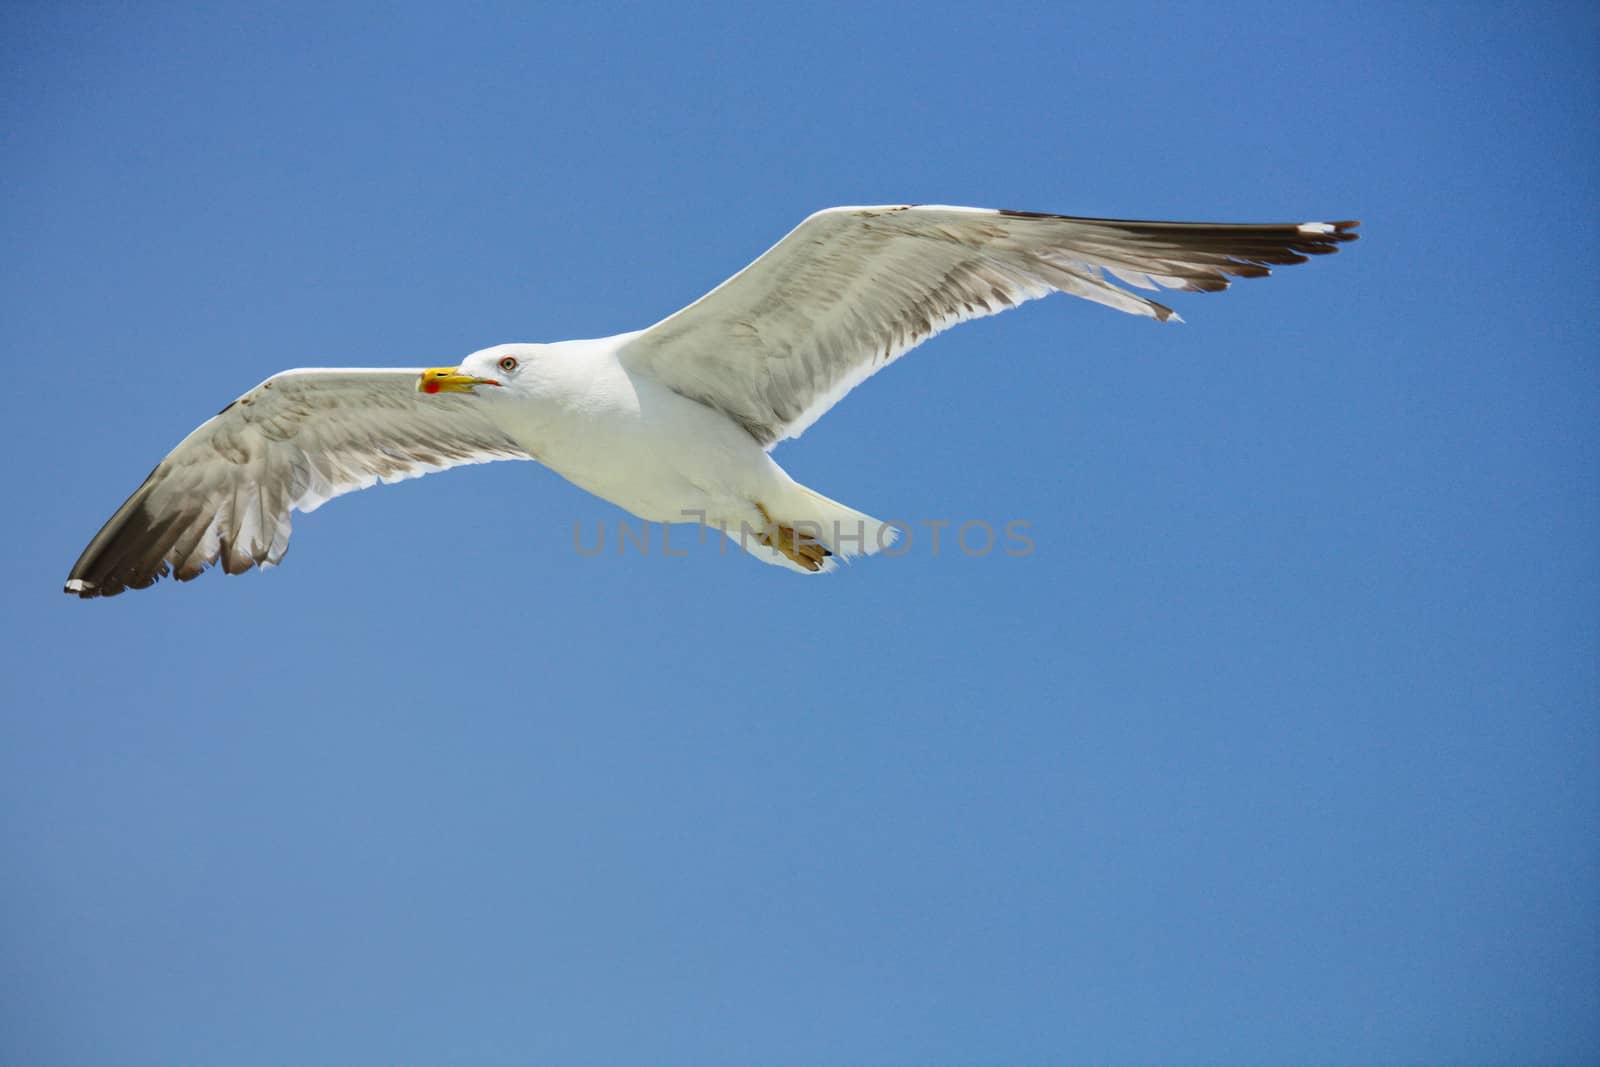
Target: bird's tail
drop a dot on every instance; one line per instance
(846, 531)
(805, 518)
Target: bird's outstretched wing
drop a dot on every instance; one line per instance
(852, 288)
(295, 441)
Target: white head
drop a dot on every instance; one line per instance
(503, 366)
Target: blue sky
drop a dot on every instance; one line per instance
(1281, 747)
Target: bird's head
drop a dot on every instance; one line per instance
(499, 366)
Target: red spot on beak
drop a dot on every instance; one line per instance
(430, 387)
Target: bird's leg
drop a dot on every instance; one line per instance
(801, 548)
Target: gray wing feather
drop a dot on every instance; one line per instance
(295, 441)
(853, 288)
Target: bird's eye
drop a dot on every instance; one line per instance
(509, 363)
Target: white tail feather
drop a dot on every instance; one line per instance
(846, 531)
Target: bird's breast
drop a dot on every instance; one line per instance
(645, 448)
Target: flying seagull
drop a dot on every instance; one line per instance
(675, 421)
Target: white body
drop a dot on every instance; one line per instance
(666, 458)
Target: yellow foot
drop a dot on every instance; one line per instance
(803, 549)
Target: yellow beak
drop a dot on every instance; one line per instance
(449, 380)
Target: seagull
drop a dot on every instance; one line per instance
(677, 421)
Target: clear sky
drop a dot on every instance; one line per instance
(1280, 747)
